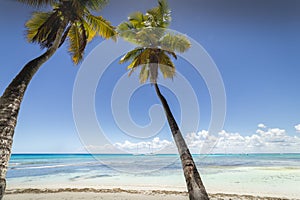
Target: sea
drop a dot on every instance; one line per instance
(269, 174)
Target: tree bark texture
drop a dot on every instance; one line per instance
(10, 103)
(194, 183)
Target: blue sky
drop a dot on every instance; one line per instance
(254, 43)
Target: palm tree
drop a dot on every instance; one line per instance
(154, 51)
(68, 19)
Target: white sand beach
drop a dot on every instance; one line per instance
(245, 183)
(116, 194)
(78, 177)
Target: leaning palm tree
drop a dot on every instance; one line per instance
(154, 51)
(69, 20)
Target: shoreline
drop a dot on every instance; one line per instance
(118, 193)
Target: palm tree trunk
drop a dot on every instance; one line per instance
(195, 186)
(10, 103)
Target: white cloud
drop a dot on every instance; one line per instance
(297, 127)
(263, 141)
(261, 126)
(144, 147)
(271, 140)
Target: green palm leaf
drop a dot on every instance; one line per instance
(127, 31)
(76, 42)
(90, 32)
(38, 3)
(156, 45)
(42, 28)
(34, 25)
(171, 53)
(101, 26)
(159, 16)
(149, 37)
(144, 74)
(137, 20)
(175, 43)
(134, 64)
(166, 66)
(140, 59)
(94, 5)
(131, 55)
(80, 25)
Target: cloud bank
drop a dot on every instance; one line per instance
(264, 140)
(297, 127)
(271, 140)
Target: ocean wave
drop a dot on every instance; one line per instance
(54, 166)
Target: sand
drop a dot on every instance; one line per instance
(115, 194)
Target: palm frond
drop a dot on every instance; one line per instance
(131, 55)
(84, 37)
(131, 71)
(65, 35)
(175, 43)
(159, 16)
(137, 20)
(95, 5)
(125, 26)
(144, 74)
(101, 26)
(134, 63)
(140, 59)
(42, 28)
(33, 25)
(171, 53)
(77, 42)
(38, 3)
(126, 31)
(149, 32)
(149, 37)
(90, 32)
(166, 65)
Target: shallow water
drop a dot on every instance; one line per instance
(269, 174)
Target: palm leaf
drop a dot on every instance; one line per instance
(137, 20)
(127, 31)
(175, 43)
(166, 66)
(38, 3)
(171, 53)
(101, 26)
(159, 16)
(33, 25)
(131, 55)
(42, 28)
(134, 63)
(95, 5)
(76, 42)
(144, 74)
(149, 32)
(90, 32)
(83, 41)
(65, 35)
(139, 56)
(149, 37)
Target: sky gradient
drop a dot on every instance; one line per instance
(254, 43)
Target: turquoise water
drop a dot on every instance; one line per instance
(257, 174)
(27, 165)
